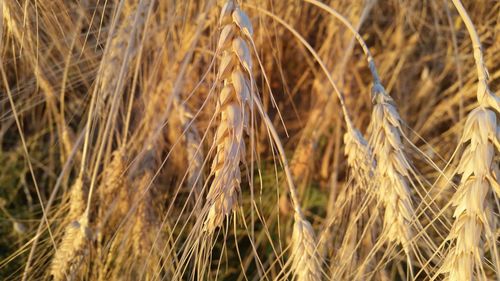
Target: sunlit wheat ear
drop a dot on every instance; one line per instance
(232, 107)
(352, 201)
(392, 171)
(145, 238)
(306, 264)
(113, 197)
(123, 46)
(76, 200)
(192, 142)
(473, 215)
(113, 193)
(70, 252)
(359, 156)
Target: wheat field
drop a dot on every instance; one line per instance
(249, 140)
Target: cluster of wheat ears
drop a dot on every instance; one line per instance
(249, 140)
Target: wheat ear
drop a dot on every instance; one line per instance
(232, 107)
(304, 255)
(147, 242)
(113, 193)
(192, 142)
(305, 261)
(113, 197)
(123, 46)
(69, 255)
(359, 156)
(473, 214)
(392, 171)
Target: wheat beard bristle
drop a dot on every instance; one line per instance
(305, 260)
(392, 171)
(232, 105)
(472, 214)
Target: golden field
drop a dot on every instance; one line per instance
(249, 140)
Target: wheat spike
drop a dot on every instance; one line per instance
(305, 261)
(392, 171)
(70, 253)
(113, 192)
(192, 142)
(123, 46)
(359, 156)
(472, 213)
(232, 106)
(478, 168)
(146, 242)
(76, 200)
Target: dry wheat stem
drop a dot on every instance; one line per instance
(485, 96)
(362, 43)
(32, 173)
(305, 260)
